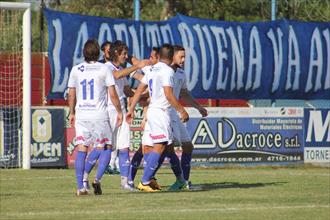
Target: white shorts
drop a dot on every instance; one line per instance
(121, 135)
(180, 132)
(146, 139)
(160, 127)
(95, 133)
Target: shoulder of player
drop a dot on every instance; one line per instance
(146, 69)
(78, 65)
(164, 67)
(111, 66)
(102, 61)
(81, 67)
(179, 71)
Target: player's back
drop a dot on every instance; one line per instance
(160, 75)
(91, 81)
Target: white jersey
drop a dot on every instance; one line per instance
(179, 83)
(141, 71)
(120, 84)
(146, 69)
(91, 81)
(160, 75)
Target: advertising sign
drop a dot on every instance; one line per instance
(136, 130)
(317, 136)
(10, 137)
(47, 142)
(247, 135)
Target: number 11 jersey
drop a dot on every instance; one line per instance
(91, 81)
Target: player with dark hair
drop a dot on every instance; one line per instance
(106, 51)
(118, 56)
(159, 82)
(179, 129)
(90, 84)
(146, 146)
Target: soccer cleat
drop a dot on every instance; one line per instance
(188, 186)
(146, 188)
(86, 184)
(111, 171)
(116, 172)
(97, 188)
(108, 170)
(128, 187)
(82, 192)
(131, 183)
(178, 185)
(154, 184)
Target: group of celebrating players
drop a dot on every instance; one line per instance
(97, 94)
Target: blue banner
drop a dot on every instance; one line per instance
(280, 59)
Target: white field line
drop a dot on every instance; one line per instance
(274, 173)
(37, 178)
(193, 210)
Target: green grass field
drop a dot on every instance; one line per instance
(226, 193)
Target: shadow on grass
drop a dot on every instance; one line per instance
(233, 185)
(225, 185)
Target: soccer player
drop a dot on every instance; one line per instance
(179, 129)
(118, 54)
(146, 147)
(90, 83)
(159, 82)
(94, 155)
(118, 57)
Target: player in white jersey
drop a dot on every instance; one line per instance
(90, 83)
(117, 57)
(180, 132)
(121, 141)
(160, 85)
(179, 129)
(146, 146)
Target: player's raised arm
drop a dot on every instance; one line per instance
(127, 71)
